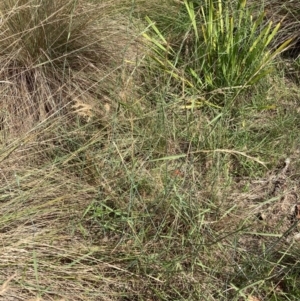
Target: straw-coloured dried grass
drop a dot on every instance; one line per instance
(57, 54)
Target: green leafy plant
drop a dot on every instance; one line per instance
(224, 48)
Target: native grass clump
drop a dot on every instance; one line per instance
(287, 13)
(222, 48)
(57, 59)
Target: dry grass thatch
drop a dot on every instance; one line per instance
(107, 196)
(57, 55)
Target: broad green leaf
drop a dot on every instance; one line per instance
(241, 4)
(191, 11)
(273, 33)
(282, 47)
(152, 24)
(155, 42)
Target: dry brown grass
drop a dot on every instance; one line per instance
(57, 72)
(112, 191)
(68, 56)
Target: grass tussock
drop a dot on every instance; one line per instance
(133, 167)
(58, 57)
